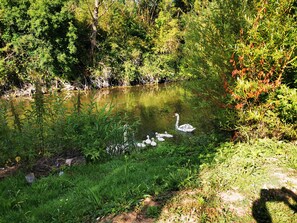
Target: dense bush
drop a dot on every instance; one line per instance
(265, 106)
(242, 51)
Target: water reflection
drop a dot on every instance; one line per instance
(153, 106)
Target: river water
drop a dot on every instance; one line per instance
(153, 106)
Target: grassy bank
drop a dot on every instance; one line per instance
(200, 181)
(247, 182)
(86, 192)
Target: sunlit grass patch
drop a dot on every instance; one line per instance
(239, 176)
(246, 182)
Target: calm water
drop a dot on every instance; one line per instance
(154, 107)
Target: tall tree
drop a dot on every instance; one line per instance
(94, 28)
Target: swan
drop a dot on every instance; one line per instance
(183, 128)
(153, 143)
(148, 141)
(160, 139)
(163, 135)
(141, 144)
(158, 135)
(167, 135)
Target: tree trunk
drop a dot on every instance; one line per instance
(94, 30)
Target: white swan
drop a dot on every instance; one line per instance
(167, 135)
(160, 139)
(163, 135)
(148, 141)
(141, 144)
(183, 128)
(153, 143)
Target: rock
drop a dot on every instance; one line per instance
(68, 161)
(30, 178)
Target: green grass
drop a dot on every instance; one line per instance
(246, 182)
(86, 192)
(196, 181)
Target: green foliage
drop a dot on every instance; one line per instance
(262, 122)
(211, 33)
(285, 103)
(92, 131)
(121, 44)
(136, 42)
(163, 60)
(276, 118)
(38, 38)
(5, 133)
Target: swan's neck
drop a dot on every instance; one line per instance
(177, 121)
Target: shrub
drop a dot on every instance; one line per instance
(276, 118)
(285, 103)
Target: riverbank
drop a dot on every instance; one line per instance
(197, 181)
(59, 85)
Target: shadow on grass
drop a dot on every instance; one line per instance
(259, 208)
(146, 212)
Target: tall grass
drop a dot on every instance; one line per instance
(47, 127)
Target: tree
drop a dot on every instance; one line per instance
(263, 55)
(211, 33)
(39, 38)
(164, 58)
